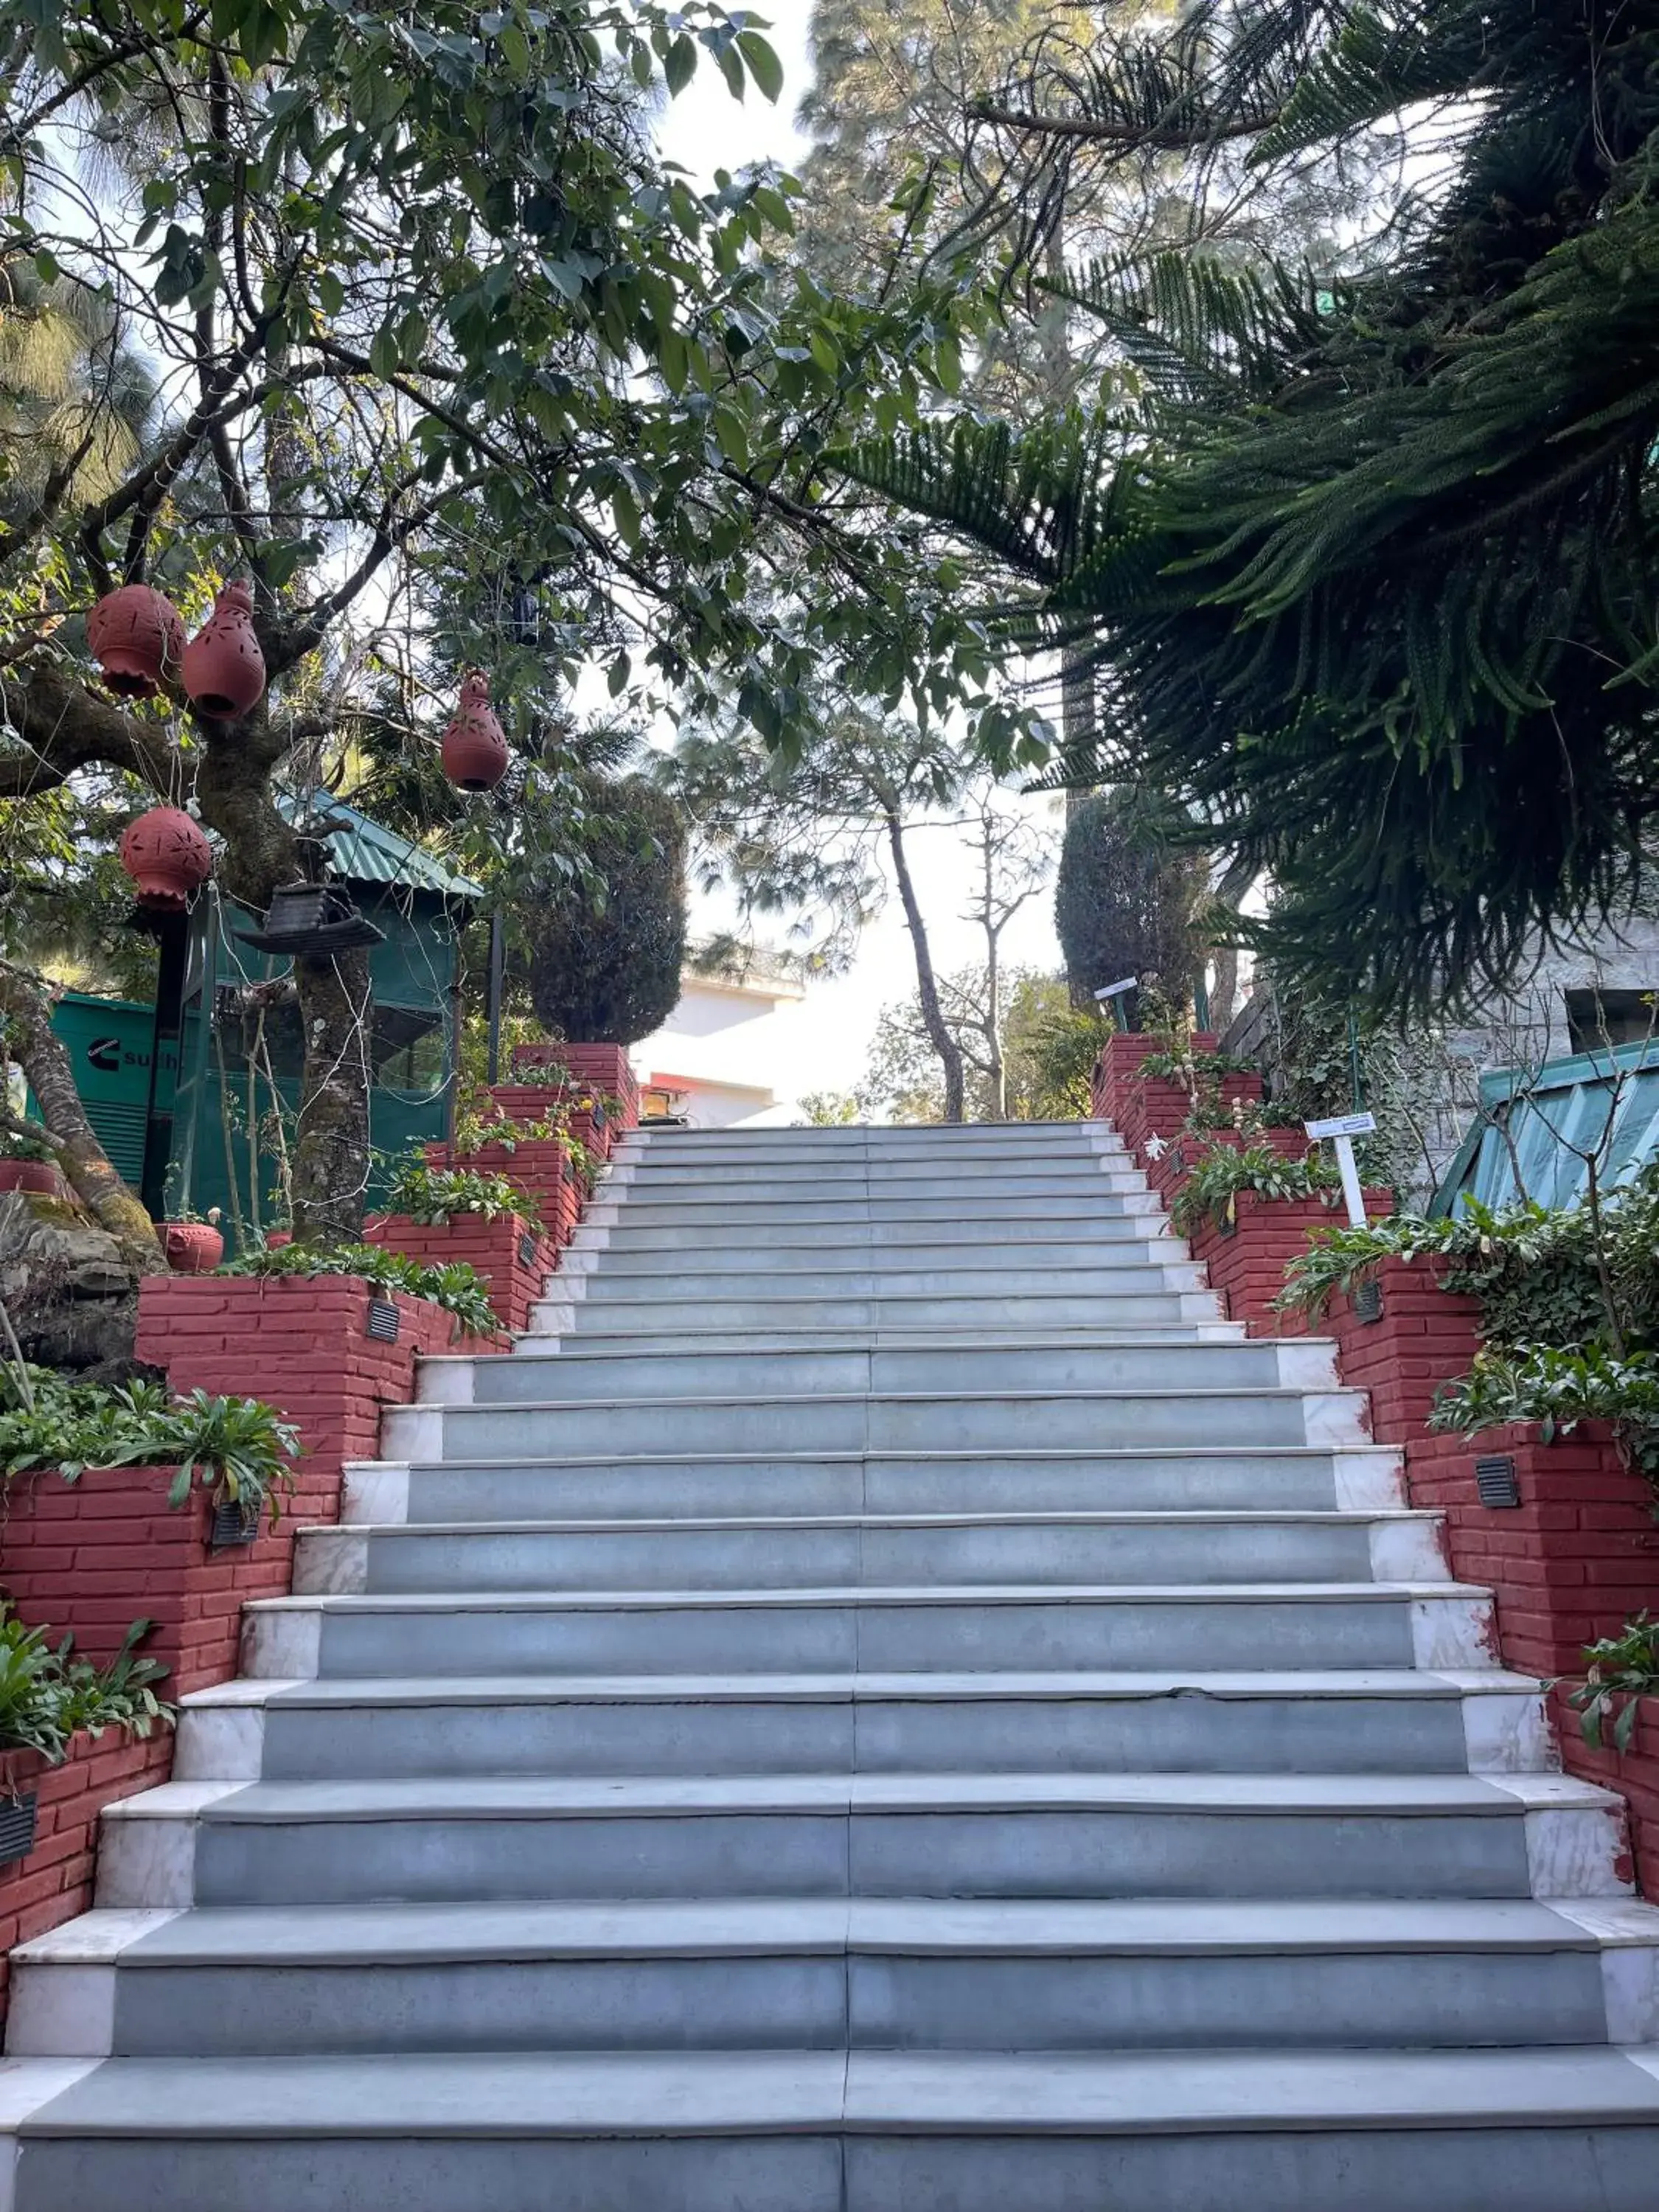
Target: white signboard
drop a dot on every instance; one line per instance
(1344, 1124)
(1116, 990)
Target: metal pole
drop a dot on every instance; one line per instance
(1349, 1174)
(497, 977)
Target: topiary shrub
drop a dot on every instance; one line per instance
(604, 953)
(1129, 900)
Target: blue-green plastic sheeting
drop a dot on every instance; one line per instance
(1528, 1138)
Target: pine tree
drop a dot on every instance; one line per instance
(1371, 566)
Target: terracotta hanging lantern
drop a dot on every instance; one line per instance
(167, 856)
(136, 638)
(224, 669)
(475, 755)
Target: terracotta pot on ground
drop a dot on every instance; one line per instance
(136, 638)
(275, 1238)
(37, 1176)
(193, 1248)
(166, 855)
(223, 668)
(474, 754)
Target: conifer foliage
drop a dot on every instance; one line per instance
(1370, 565)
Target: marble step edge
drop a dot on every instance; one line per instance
(1574, 1833)
(1452, 1624)
(1404, 1544)
(63, 1990)
(221, 1730)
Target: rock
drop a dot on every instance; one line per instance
(71, 1297)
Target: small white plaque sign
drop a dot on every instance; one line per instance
(1344, 1124)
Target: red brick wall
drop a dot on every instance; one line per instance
(606, 1066)
(491, 1246)
(1634, 1774)
(1247, 1264)
(91, 1557)
(54, 1883)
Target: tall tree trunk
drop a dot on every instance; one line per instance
(39, 1052)
(996, 1067)
(332, 1152)
(932, 1015)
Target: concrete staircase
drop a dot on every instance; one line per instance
(885, 1704)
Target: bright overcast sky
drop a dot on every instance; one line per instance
(706, 129)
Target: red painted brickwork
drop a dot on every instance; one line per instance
(606, 1066)
(539, 1167)
(1634, 1774)
(529, 1102)
(1425, 1336)
(54, 1883)
(1572, 1563)
(494, 1248)
(1247, 1264)
(91, 1557)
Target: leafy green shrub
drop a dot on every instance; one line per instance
(1622, 1669)
(1557, 1389)
(1538, 1273)
(239, 1449)
(1210, 1193)
(430, 1195)
(47, 1696)
(458, 1288)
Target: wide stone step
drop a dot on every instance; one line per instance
(661, 1485)
(1077, 1169)
(1538, 2131)
(1110, 1549)
(1113, 1241)
(682, 1313)
(497, 1839)
(921, 1205)
(1043, 1627)
(542, 1368)
(808, 1973)
(1010, 1420)
(1178, 1721)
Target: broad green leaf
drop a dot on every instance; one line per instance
(679, 65)
(764, 64)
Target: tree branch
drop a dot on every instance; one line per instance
(1163, 138)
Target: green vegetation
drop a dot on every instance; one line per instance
(430, 1195)
(1622, 1669)
(238, 1450)
(1211, 1191)
(48, 1696)
(457, 1287)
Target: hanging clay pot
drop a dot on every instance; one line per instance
(475, 755)
(224, 669)
(137, 640)
(167, 856)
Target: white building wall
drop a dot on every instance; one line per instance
(725, 1047)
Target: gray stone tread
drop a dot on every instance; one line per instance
(381, 1935)
(535, 1796)
(513, 2095)
(1151, 1684)
(1218, 1516)
(872, 1595)
(1223, 1394)
(1106, 1454)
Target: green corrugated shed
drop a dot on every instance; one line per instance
(192, 1135)
(1522, 1142)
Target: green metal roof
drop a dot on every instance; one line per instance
(1604, 1102)
(366, 852)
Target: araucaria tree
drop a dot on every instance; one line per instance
(1372, 567)
(371, 303)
